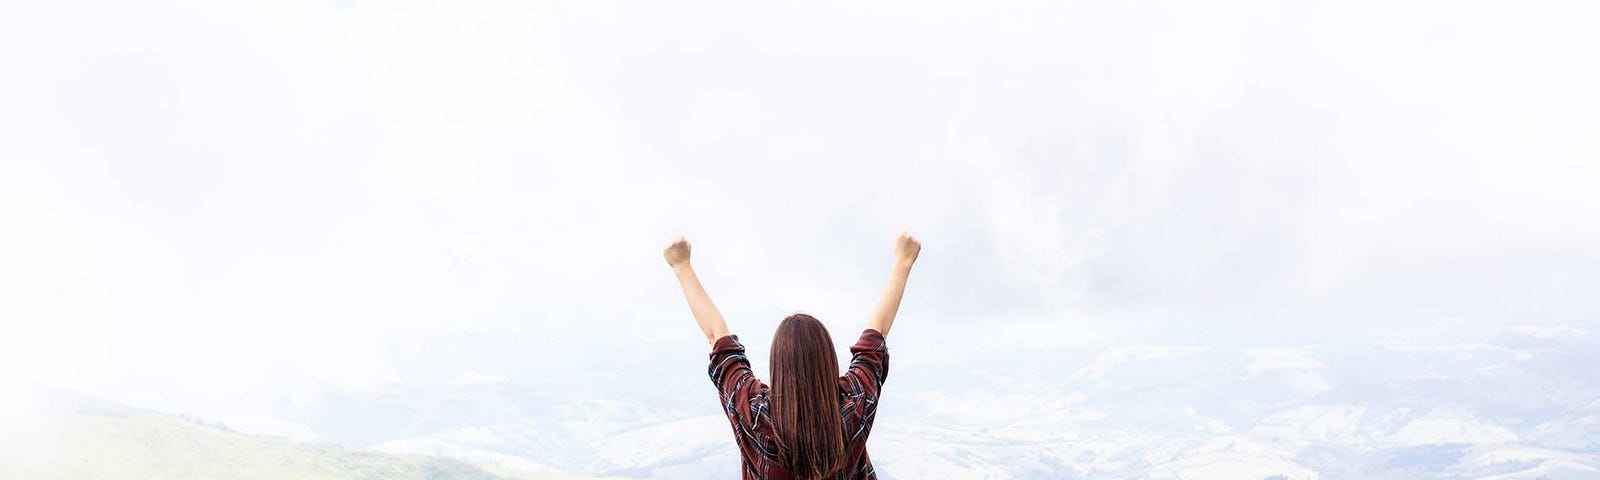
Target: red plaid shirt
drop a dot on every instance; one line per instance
(744, 399)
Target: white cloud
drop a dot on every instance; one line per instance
(1271, 359)
(1450, 426)
(307, 194)
(478, 378)
(1116, 355)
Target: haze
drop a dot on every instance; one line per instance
(211, 207)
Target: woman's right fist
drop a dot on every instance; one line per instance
(906, 248)
(677, 254)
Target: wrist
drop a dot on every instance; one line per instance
(682, 267)
(903, 264)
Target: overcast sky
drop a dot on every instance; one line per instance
(261, 198)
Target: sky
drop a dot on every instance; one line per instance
(206, 203)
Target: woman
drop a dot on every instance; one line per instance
(811, 423)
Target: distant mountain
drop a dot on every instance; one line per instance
(49, 434)
(1524, 404)
(1520, 405)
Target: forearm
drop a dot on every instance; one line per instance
(705, 312)
(889, 304)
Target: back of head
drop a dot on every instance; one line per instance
(805, 398)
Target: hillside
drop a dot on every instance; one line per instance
(48, 434)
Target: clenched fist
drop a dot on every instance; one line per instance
(677, 254)
(906, 249)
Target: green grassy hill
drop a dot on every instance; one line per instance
(49, 435)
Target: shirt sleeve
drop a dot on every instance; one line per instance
(869, 359)
(869, 367)
(743, 396)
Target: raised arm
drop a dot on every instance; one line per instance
(705, 312)
(906, 249)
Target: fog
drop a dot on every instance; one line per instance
(210, 206)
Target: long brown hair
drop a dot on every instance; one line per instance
(805, 398)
